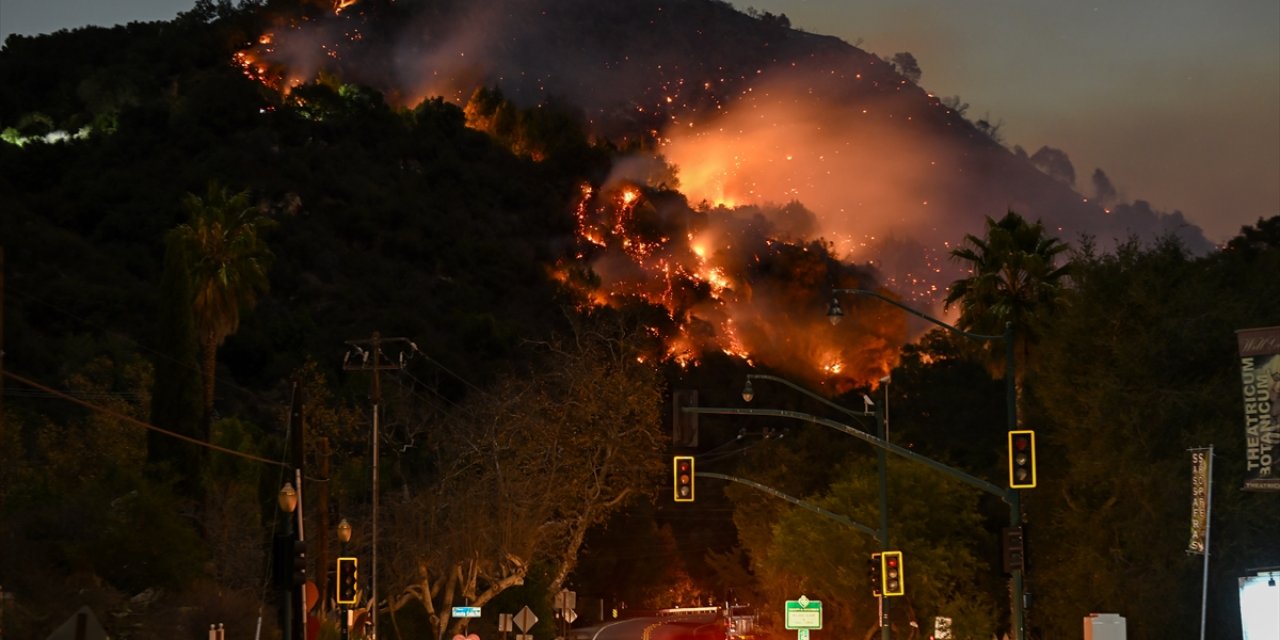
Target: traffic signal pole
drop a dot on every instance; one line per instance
(886, 631)
(1017, 587)
(1016, 580)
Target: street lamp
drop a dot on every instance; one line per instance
(835, 314)
(287, 499)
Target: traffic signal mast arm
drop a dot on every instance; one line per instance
(1008, 495)
(793, 500)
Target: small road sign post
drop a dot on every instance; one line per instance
(505, 624)
(564, 602)
(525, 620)
(804, 614)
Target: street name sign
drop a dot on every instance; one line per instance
(466, 612)
(804, 614)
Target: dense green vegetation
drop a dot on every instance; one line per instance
(524, 442)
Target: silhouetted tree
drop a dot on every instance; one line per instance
(1014, 278)
(906, 64)
(228, 264)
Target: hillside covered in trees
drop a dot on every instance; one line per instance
(184, 238)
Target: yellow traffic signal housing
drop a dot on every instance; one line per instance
(348, 581)
(1022, 459)
(682, 470)
(891, 574)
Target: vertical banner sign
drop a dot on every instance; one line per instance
(1260, 378)
(1199, 500)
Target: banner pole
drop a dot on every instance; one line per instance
(1208, 527)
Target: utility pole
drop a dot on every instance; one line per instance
(368, 357)
(1, 343)
(298, 429)
(2, 431)
(322, 554)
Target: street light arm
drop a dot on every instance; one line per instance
(873, 294)
(844, 410)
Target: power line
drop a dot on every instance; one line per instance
(220, 382)
(136, 422)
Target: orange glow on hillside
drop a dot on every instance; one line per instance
(763, 306)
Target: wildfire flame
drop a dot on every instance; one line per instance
(723, 285)
(736, 273)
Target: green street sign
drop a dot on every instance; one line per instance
(804, 614)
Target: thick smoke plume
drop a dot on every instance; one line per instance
(777, 136)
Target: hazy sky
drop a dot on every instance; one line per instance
(1178, 101)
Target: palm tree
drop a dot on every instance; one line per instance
(228, 264)
(1013, 278)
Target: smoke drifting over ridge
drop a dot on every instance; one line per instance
(772, 131)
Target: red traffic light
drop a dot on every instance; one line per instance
(1022, 459)
(892, 574)
(684, 475)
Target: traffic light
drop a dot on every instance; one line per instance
(298, 576)
(288, 562)
(682, 468)
(347, 580)
(1014, 550)
(1022, 459)
(874, 574)
(891, 570)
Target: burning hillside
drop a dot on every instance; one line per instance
(779, 138)
(726, 282)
